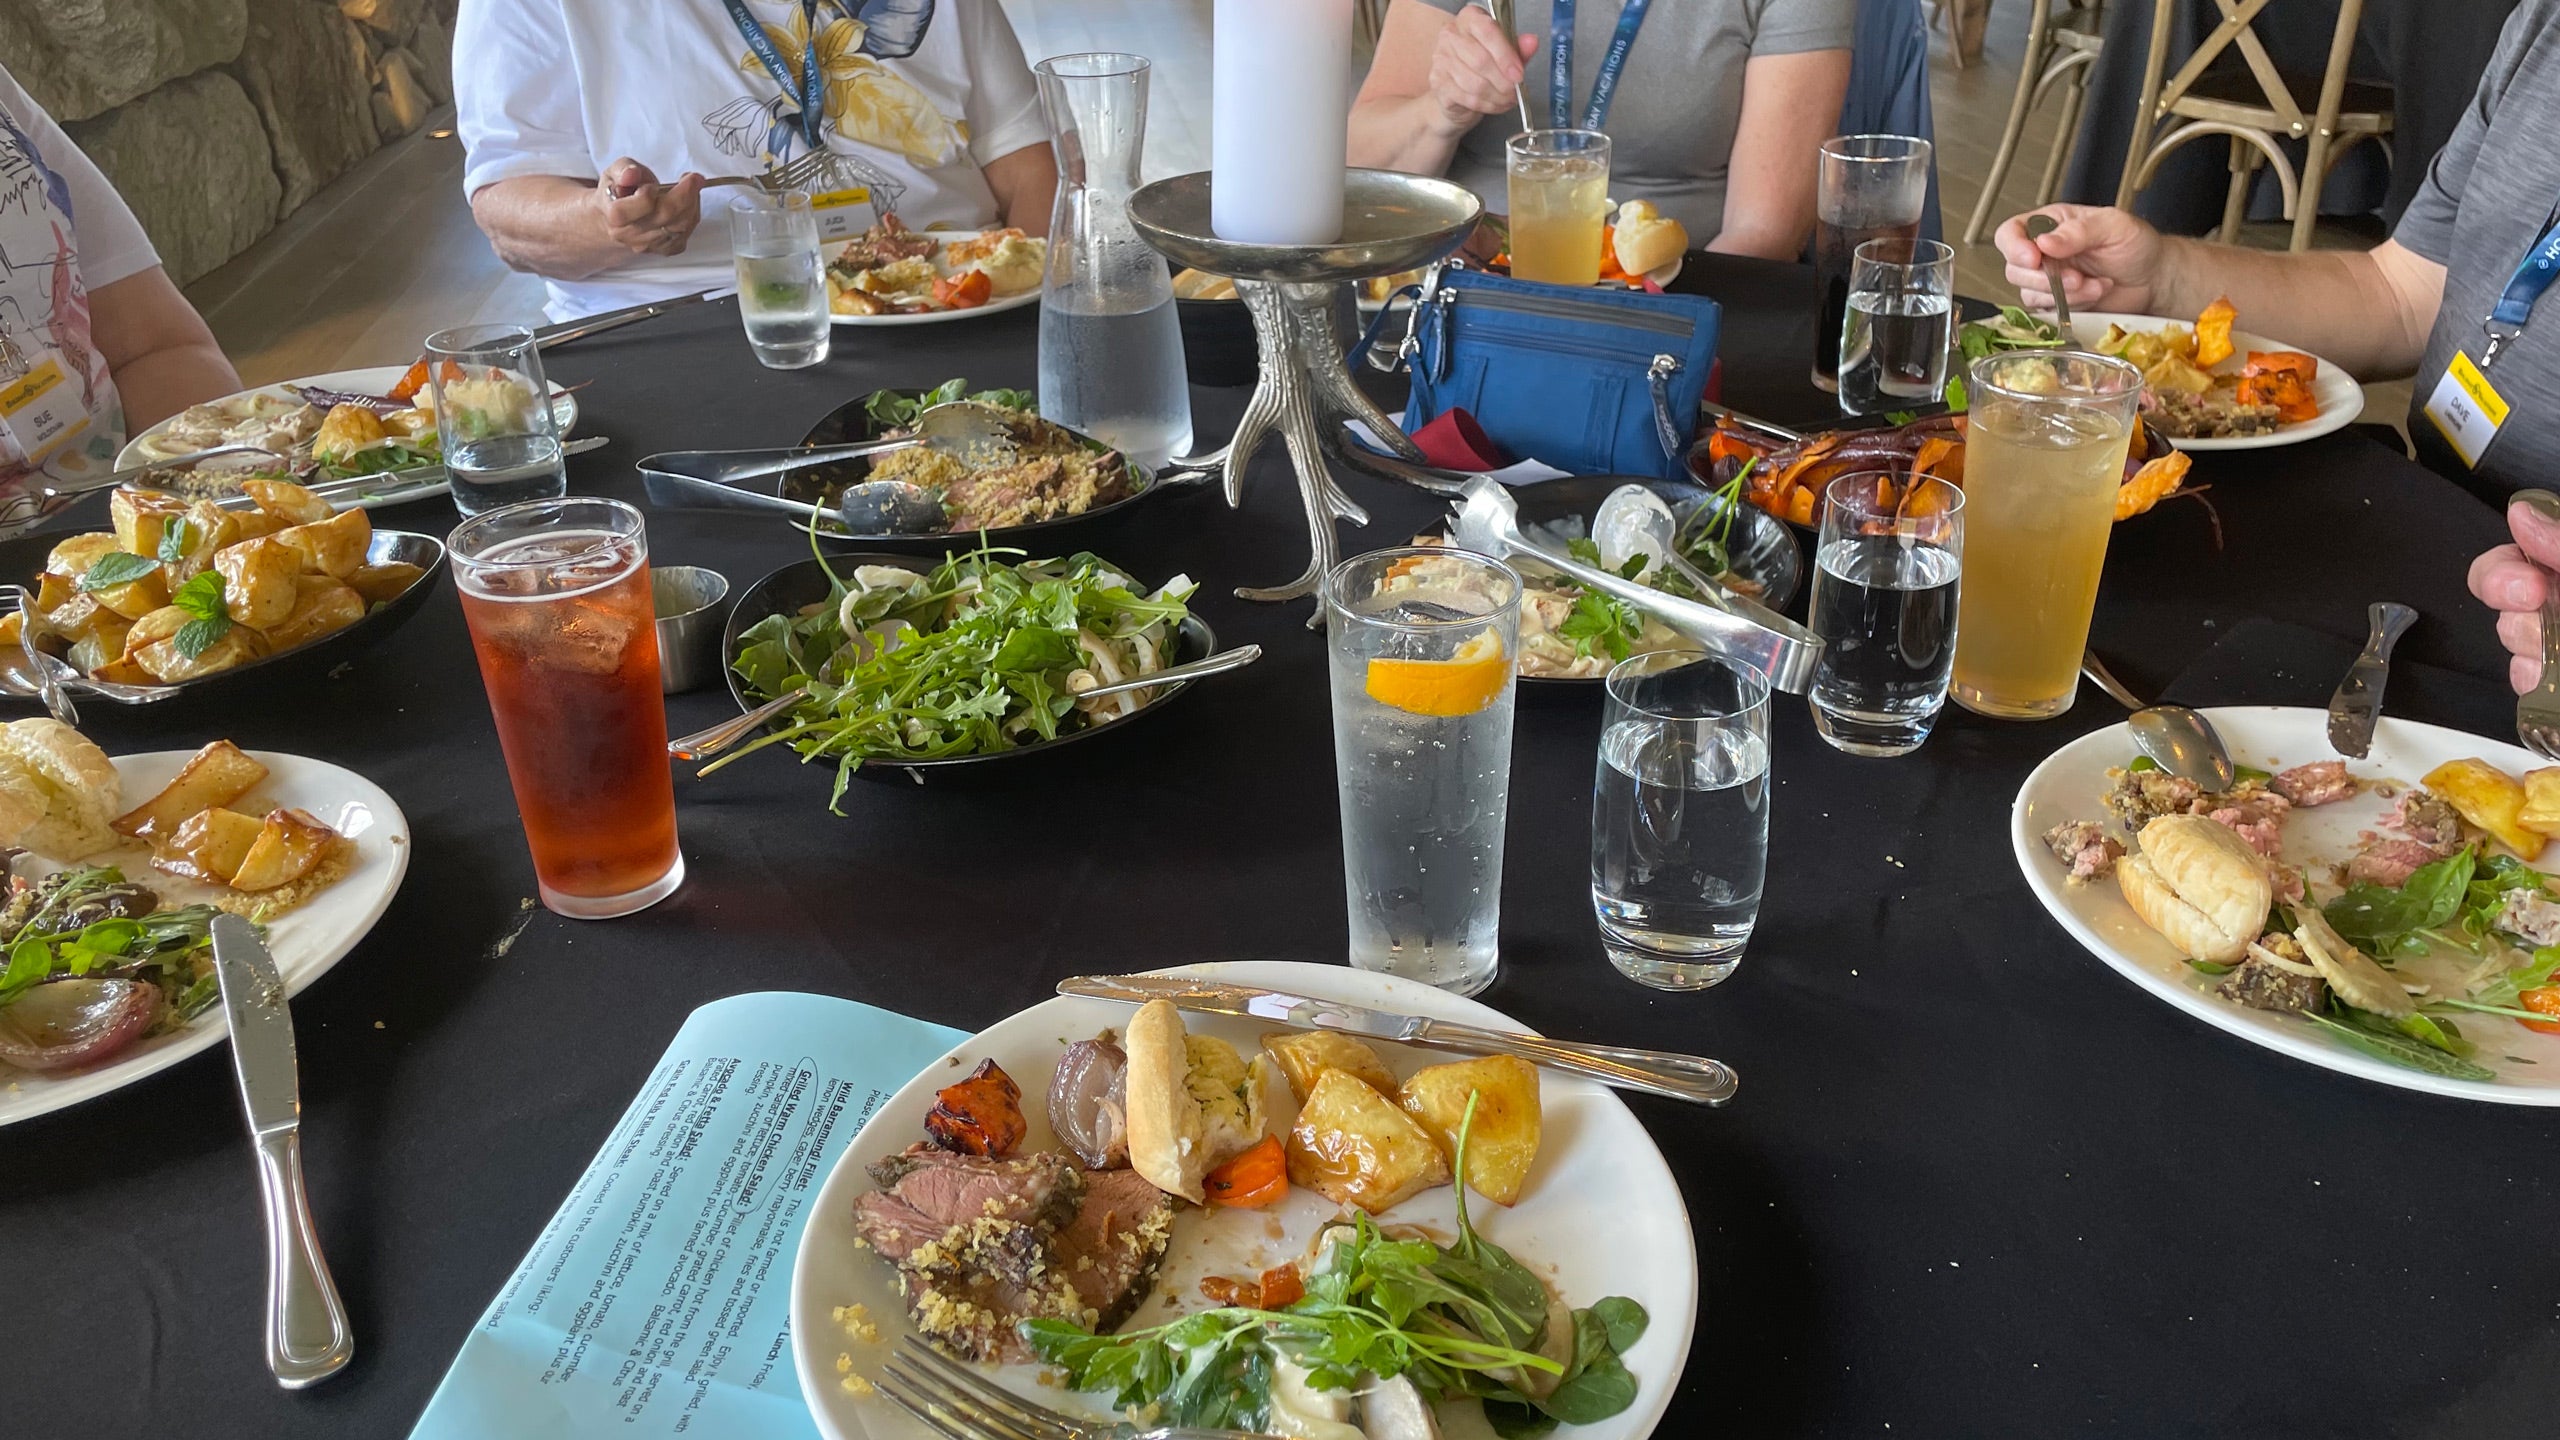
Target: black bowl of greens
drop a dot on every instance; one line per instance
(963, 662)
(882, 413)
(1727, 538)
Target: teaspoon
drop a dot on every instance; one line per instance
(2185, 744)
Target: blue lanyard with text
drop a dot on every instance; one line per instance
(1604, 86)
(810, 89)
(2541, 266)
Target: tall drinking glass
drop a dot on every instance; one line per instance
(1884, 603)
(1868, 187)
(557, 596)
(2044, 453)
(782, 281)
(1893, 341)
(1422, 641)
(1110, 344)
(1680, 817)
(493, 417)
(1559, 203)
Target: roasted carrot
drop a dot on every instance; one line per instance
(1251, 1180)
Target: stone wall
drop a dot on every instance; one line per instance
(218, 118)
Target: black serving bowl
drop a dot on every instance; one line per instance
(851, 424)
(803, 582)
(301, 662)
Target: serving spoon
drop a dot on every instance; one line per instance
(977, 435)
(2183, 743)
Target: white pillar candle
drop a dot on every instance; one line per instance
(1281, 109)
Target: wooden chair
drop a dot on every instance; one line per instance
(2060, 50)
(2253, 104)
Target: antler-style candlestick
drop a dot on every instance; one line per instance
(1390, 222)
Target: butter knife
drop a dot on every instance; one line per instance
(308, 1339)
(2358, 703)
(1693, 1078)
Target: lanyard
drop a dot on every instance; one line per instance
(811, 86)
(2534, 274)
(1604, 86)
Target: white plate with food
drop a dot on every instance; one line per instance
(344, 884)
(2179, 411)
(2421, 855)
(284, 418)
(890, 275)
(1563, 1149)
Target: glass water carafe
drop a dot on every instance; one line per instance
(1110, 347)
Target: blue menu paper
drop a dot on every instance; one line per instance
(657, 1302)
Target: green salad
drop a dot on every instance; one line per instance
(978, 654)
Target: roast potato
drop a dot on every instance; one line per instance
(79, 617)
(167, 664)
(333, 547)
(208, 845)
(136, 598)
(102, 647)
(160, 624)
(139, 516)
(72, 558)
(1354, 1147)
(2489, 798)
(290, 845)
(321, 607)
(54, 591)
(1304, 1055)
(212, 777)
(257, 580)
(2541, 801)
(348, 429)
(385, 581)
(1503, 1142)
(209, 528)
(286, 501)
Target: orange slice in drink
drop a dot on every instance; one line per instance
(1463, 684)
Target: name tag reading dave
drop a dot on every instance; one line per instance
(2467, 409)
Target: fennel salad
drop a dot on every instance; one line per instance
(981, 653)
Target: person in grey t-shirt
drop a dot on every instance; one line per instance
(2414, 304)
(1716, 119)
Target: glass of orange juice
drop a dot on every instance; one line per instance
(1422, 642)
(2044, 452)
(1559, 204)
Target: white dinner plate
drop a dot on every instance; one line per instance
(1595, 1160)
(995, 306)
(2068, 784)
(371, 380)
(2341, 398)
(305, 941)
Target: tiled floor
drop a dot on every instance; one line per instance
(389, 253)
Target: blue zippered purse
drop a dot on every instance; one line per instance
(1594, 381)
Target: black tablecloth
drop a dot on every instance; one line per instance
(2430, 53)
(1974, 1184)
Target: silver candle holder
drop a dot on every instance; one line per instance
(1391, 222)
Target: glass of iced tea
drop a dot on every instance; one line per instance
(557, 596)
(1559, 204)
(2044, 452)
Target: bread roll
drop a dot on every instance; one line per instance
(2200, 885)
(1646, 239)
(1193, 1102)
(58, 792)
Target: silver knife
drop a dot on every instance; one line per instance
(308, 1339)
(389, 484)
(1693, 1078)
(2358, 703)
(547, 336)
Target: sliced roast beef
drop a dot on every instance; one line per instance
(1111, 1249)
(926, 1191)
(2316, 783)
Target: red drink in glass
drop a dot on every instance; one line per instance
(557, 596)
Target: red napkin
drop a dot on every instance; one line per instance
(1454, 441)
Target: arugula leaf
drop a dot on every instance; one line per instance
(2505, 989)
(116, 567)
(2381, 917)
(889, 410)
(2400, 1050)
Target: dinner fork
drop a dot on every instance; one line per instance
(789, 176)
(960, 1404)
(2538, 709)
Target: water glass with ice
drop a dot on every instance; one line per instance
(1680, 817)
(1422, 641)
(493, 417)
(1885, 581)
(782, 278)
(1895, 334)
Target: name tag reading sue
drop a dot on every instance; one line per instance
(2467, 409)
(41, 410)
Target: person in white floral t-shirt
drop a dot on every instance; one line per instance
(94, 339)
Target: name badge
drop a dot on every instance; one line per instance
(40, 411)
(2467, 409)
(842, 214)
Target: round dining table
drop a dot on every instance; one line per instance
(1975, 1183)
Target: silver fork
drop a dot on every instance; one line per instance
(960, 1404)
(788, 177)
(2538, 709)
